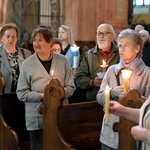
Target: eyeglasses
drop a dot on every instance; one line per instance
(105, 33)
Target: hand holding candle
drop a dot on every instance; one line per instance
(107, 98)
(52, 74)
(126, 76)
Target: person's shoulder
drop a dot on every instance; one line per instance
(25, 50)
(59, 56)
(30, 59)
(91, 51)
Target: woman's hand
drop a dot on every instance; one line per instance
(119, 88)
(116, 108)
(139, 133)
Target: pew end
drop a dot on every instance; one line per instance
(72, 126)
(133, 99)
(13, 133)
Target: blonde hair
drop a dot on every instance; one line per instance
(70, 34)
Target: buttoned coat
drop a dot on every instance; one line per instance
(5, 66)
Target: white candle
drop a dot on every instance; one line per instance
(52, 74)
(107, 98)
(75, 52)
(104, 65)
(126, 76)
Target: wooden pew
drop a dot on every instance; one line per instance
(13, 133)
(126, 142)
(73, 126)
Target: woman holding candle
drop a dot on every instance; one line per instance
(69, 49)
(130, 49)
(35, 74)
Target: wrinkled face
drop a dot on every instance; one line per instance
(40, 45)
(128, 50)
(56, 48)
(9, 38)
(62, 35)
(104, 38)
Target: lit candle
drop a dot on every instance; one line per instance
(75, 53)
(104, 65)
(126, 75)
(52, 74)
(107, 98)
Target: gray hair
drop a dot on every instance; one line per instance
(135, 36)
(70, 34)
(109, 28)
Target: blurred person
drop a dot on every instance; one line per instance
(139, 28)
(106, 50)
(65, 34)
(35, 75)
(11, 56)
(57, 46)
(130, 46)
(146, 49)
(141, 116)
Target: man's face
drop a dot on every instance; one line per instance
(104, 37)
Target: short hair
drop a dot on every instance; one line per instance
(45, 32)
(70, 34)
(57, 41)
(145, 32)
(9, 26)
(139, 27)
(135, 36)
(109, 27)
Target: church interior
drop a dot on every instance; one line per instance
(76, 126)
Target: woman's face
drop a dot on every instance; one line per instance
(128, 49)
(40, 45)
(62, 35)
(9, 38)
(56, 48)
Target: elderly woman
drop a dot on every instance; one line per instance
(146, 49)
(11, 56)
(35, 75)
(130, 49)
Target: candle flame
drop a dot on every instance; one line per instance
(104, 62)
(52, 74)
(107, 87)
(126, 74)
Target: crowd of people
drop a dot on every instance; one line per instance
(100, 66)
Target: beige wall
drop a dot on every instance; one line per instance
(84, 16)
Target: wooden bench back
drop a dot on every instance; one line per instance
(126, 142)
(80, 124)
(73, 126)
(13, 133)
(2, 84)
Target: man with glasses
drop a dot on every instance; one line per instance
(89, 76)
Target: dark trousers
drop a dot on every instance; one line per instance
(36, 139)
(105, 147)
